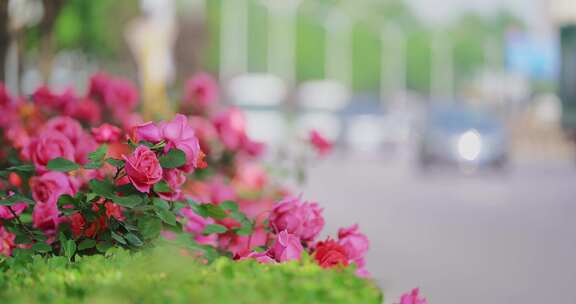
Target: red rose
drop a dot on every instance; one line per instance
(330, 254)
(143, 168)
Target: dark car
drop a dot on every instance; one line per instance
(462, 136)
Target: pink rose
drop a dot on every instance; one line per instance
(5, 98)
(106, 133)
(98, 83)
(121, 96)
(240, 245)
(320, 143)
(302, 219)
(201, 91)
(6, 242)
(143, 168)
(205, 132)
(355, 242)
(412, 298)
(286, 247)
(48, 187)
(85, 110)
(175, 179)
(46, 217)
(195, 225)
(43, 96)
(260, 257)
(147, 132)
(18, 208)
(231, 127)
(83, 143)
(49, 145)
(178, 133)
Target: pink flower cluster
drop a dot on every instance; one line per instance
(171, 170)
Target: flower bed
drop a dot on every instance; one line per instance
(82, 176)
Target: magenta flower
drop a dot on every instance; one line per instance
(85, 110)
(302, 219)
(201, 91)
(195, 225)
(83, 143)
(147, 131)
(120, 95)
(6, 242)
(5, 98)
(98, 83)
(175, 179)
(178, 133)
(260, 257)
(143, 168)
(412, 298)
(49, 145)
(231, 127)
(17, 208)
(106, 133)
(46, 217)
(48, 187)
(355, 243)
(44, 97)
(320, 143)
(286, 247)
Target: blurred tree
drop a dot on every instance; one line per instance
(94, 27)
(4, 37)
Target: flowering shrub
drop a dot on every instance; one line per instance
(83, 174)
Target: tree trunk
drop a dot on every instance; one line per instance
(52, 9)
(4, 38)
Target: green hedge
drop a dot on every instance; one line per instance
(165, 276)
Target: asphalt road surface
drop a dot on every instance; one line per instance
(483, 238)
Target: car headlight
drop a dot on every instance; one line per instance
(469, 145)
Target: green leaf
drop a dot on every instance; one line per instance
(229, 205)
(118, 238)
(22, 168)
(167, 216)
(102, 188)
(66, 199)
(214, 228)
(118, 163)
(93, 165)
(90, 196)
(214, 211)
(69, 248)
(245, 230)
(14, 199)
(149, 227)
(103, 246)
(134, 240)
(173, 159)
(86, 244)
(62, 165)
(160, 203)
(162, 187)
(99, 154)
(41, 247)
(129, 201)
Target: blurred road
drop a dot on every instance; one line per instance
(473, 239)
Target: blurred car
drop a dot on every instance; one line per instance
(457, 135)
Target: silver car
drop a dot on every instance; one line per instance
(461, 136)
